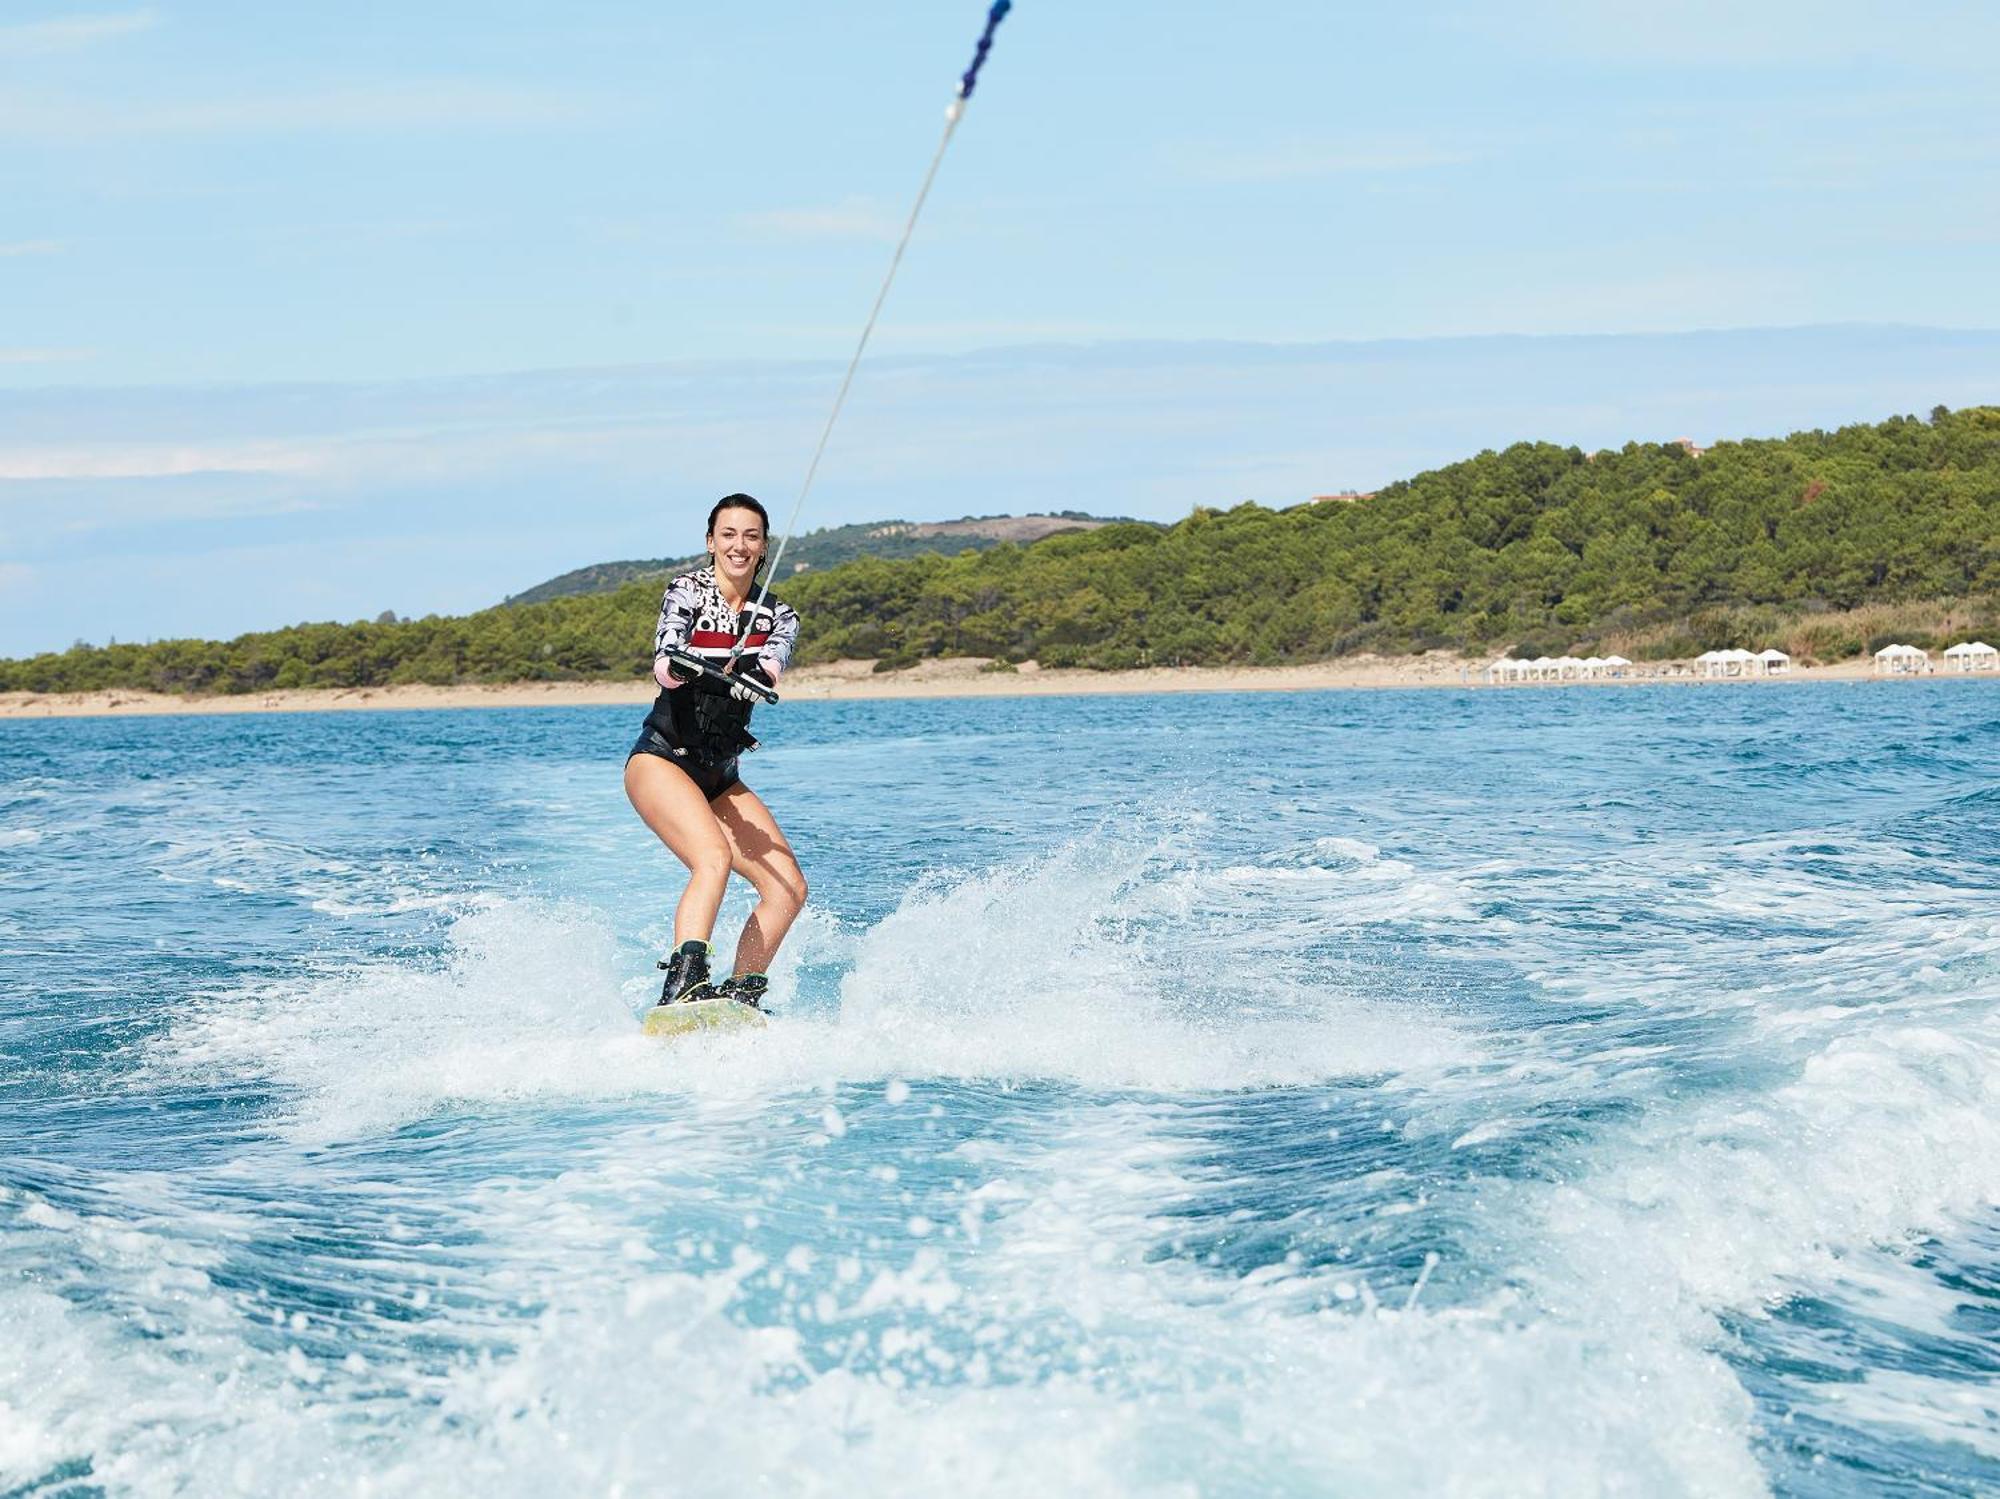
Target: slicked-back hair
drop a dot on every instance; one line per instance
(741, 502)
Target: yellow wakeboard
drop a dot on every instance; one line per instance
(690, 1016)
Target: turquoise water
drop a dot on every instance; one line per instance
(1351, 1093)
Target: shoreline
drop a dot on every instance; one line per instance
(855, 681)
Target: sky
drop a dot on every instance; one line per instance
(308, 312)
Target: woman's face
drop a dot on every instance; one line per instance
(738, 544)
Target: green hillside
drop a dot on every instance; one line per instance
(1818, 541)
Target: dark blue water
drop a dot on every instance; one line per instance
(1347, 1093)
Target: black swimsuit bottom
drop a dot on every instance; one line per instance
(710, 780)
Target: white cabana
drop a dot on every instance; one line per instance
(1506, 669)
(1540, 669)
(1775, 662)
(1972, 655)
(1901, 660)
(1593, 666)
(1568, 668)
(1616, 666)
(1734, 662)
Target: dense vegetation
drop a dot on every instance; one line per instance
(1817, 540)
(829, 546)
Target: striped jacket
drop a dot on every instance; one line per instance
(695, 618)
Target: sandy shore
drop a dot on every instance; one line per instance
(842, 680)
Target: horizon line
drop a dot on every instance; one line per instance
(695, 364)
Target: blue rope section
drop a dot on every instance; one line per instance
(993, 19)
(952, 116)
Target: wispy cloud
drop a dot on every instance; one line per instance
(15, 577)
(29, 247)
(1346, 155)
(154, 461)
(414, 105)
(855, 218)
(45, 356)
(1727, 33)
(958, 336)
(70, 33)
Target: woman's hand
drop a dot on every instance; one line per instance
(749, 667)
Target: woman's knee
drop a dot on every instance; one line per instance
(710, 864)
(783, 887)
(791, 887)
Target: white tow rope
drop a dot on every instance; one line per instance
(952, 116)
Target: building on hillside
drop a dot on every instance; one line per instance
(1345, 497)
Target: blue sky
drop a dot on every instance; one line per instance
(284, 290)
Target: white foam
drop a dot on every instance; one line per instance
(1034, 1342)
(1029, 973)
(1022, 1328)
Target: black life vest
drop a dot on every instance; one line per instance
(704, 721)
(700, 718)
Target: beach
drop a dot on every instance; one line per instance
(955, 677)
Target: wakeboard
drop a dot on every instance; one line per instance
(689, 1016)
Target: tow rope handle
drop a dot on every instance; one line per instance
(687, 661)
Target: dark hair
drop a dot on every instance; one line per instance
(740, 502)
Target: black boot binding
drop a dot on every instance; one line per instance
(687, 974)
(744, 988)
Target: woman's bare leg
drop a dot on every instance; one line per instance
(759, 853)
(674, 808)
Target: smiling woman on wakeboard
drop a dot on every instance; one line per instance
(716, 652)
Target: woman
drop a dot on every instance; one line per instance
(681, 775)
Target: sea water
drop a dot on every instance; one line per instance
(1556, 1093)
